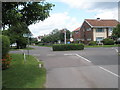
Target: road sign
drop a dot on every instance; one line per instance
(71, 39)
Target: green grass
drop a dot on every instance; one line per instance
(24, 75)
(102, 46)
(14, 48)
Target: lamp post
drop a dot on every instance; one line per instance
(64, 36)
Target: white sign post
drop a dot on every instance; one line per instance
(71, 40)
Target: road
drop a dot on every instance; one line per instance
(89, 68)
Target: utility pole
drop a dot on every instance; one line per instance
(65, 36)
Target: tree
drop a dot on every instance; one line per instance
(19, 15)
(116, 32)
(15, 34)
(56, 35)
(30, 12)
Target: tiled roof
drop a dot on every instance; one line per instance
(77, 29)
(102, 22)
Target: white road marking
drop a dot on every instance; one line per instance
(83, 58)
(50, 54)
(116, 50)
(109, 71)
(69, 54)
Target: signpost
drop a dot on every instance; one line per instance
(71, 40)
(28, 35)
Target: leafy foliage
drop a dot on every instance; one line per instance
(55, 36)
(64, 47)
(116, 32)
(15, 34)
(28, 12)
(108, 41)
(5, 45)
(92, 43)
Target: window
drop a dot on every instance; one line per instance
(110, 30)
(99, 38)
(99, 30)
(76, 32)
(88, 29)
(89, 39)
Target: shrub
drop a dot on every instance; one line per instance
(21, 43)
(64, 47)
(6, 62)
(92, 43)
(108, 41)
(5, 45)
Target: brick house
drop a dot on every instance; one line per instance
(76, 34)
(96, 29)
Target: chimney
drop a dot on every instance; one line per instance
(98, 19)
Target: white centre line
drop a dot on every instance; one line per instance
(83, 58)
(116, 50)
(109, 71)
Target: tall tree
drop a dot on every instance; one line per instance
(19, 15)
(116, 32)
(28, 12)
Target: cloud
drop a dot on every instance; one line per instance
(56, 20)
(91, 4)
(104, 9)
(107, 14)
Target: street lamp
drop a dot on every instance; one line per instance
(65, 35)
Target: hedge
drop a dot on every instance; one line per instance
(92, 43)
(5, 45)
(108, 41)
(65, 47)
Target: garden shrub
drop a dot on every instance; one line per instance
(5, 45)
(108, 41)
(92, 43)
(6, 62)
(6, 59)
(65, 47)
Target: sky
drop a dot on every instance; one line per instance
(70, 14)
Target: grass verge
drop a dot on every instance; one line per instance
(102, 46)
(14, 48)
(24, 75)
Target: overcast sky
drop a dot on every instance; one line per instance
(70, 14)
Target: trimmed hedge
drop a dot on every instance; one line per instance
(92, 43)
(5, 45)
(108, 41)
(65, 47)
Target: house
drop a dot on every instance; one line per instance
(96, 29)
(76, 34)
(39, 38)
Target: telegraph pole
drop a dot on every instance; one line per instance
(65, 36)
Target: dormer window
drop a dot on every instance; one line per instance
(88, 29)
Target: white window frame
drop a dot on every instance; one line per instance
(88, 29)
(99, 29)
(99, 40)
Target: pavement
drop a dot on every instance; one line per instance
(88, 68)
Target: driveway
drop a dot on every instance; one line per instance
(89, 68)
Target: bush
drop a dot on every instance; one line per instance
(6, 62)
(108, 41)
(5, 45)
(92, 43)
(64, 47)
